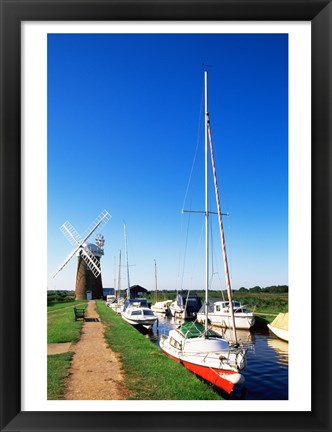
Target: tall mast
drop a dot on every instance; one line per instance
(128, 282)
(114, 273)
(119, 278)
(222, 237)
(155, 281)
(206, 202)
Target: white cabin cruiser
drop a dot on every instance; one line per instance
(219, 315)
(137, 313)
(162, 307)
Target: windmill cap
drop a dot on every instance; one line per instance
(96, 250)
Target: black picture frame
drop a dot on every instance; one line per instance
(319, 12)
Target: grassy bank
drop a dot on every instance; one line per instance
(63, 305)
(149, 374)
(57, 370)
(61, 325)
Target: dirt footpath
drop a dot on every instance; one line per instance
(95, 372)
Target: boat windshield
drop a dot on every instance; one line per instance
(136, 312)
(148, 312)
(138, 303)
(242, 310)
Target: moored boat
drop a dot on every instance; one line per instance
(117, 305)
(162, 307)
(199, 349)
(186, 305)
(206, 354)
(279, 326)
(137, 313)
(220, 315)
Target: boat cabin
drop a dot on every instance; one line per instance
(223, 306)
(190, 301)
(136, 303)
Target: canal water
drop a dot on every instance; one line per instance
(266, 375)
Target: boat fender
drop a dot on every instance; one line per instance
(241, 361)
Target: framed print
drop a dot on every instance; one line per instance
(61, 155)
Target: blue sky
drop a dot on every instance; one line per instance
(124, 120)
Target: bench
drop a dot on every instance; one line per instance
(79, 313)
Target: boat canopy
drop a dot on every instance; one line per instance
(137, 302)
(194, 329)
(281, 321)
(191, 301)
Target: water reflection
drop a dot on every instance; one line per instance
(244, 337)
(281, 349)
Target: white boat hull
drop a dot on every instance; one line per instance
(116, 307)
(177, 312)
(280, 333)
(242, 321)
(279, 326)
(210, 359)
(147, 323)
(161, 307)
(138, 316)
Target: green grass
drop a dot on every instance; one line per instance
(266, 306)
(150, 374)
(62, 305)
(62, 327)
(57, 370)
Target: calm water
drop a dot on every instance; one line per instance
(267, 362)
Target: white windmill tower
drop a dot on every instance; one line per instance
(88, 278)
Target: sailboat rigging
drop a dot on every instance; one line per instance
(198, 348)
(136, 311)
(126, 250)
(118, 303)
(161, 306)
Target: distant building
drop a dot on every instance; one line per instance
(136, 291)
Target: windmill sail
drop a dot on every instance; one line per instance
(74, 237)
(91, 260)
(70, 233)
